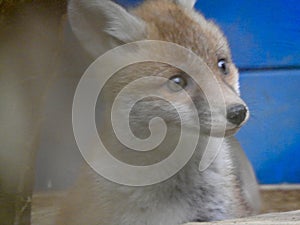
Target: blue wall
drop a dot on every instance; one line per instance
(271, 138)
(265, 42)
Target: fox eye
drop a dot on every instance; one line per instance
(177, 83)
(223, 66)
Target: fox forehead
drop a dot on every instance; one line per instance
(170, 22)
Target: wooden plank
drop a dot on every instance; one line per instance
(46, 206)
(285, 218)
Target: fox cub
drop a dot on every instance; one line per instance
(227, 188)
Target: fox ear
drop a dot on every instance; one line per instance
(186, 3)
(102, 24)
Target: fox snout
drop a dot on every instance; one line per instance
(236, 114)
(225, 114)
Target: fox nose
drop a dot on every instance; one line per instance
(236, 114)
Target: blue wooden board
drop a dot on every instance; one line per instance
(265, 39)
(271, 138)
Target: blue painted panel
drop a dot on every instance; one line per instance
(261, 33)
(271, 138)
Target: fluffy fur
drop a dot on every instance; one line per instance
(227, 189)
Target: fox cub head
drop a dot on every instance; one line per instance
(101, 25)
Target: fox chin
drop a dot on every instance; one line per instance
(228, 187)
